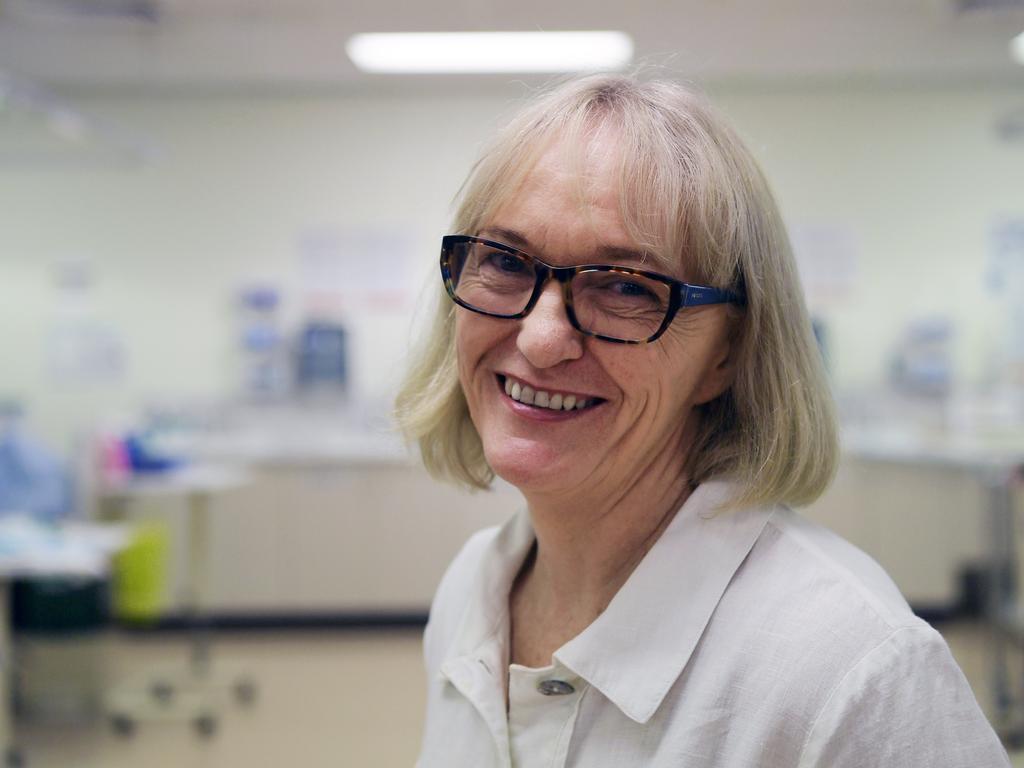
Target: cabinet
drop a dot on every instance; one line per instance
(331, 538)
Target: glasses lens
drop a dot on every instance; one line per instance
(490, 279)
(620, 304)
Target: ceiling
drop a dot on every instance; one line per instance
(223, 45)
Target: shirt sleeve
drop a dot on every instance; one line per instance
(904, 703)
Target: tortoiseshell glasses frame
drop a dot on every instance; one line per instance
(663, 296)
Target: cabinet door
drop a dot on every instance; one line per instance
(242, 550)
(921, 523)
(332, 538)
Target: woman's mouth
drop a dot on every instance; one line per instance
(545, 399)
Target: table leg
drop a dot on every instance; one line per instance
(1003, 602)
(198, 566)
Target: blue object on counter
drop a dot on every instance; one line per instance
(145, 459)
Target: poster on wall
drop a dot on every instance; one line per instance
(80, 348)
(357, 291)
(357, 270)
(827, 256)
(1005, 281)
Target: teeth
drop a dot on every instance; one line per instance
(541, 399)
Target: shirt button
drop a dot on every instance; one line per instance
(555, 687)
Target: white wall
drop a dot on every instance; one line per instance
(917, 175)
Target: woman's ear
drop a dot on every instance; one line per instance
(721, 371)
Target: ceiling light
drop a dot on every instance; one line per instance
(489, 52)
(1017, 48)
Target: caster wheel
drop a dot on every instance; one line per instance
(245, 692)
(123, 725)
(205, 725)
(162, 691)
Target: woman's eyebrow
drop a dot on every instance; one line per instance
(609, 253)
(507, 236)
(620, 255)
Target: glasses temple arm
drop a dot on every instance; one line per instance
(699, 295)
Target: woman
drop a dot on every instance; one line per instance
(626, 343)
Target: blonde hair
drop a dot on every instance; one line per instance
(689, 189)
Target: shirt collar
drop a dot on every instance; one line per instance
(635, 651)
(485, 617)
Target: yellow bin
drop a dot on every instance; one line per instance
(140, 574)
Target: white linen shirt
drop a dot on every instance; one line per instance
(750, 638)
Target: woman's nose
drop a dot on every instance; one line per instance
(546, 337)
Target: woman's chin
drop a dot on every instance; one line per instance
(529, 465)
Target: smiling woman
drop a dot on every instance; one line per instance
(675, 181)
(624, 340)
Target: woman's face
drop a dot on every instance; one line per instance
(640, 415)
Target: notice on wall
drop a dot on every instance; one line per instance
(1005, 280)
(357, 270)
(83, 350)
(1006, 254)
(828, 258)
(80, 348)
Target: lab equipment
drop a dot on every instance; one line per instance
(922, 362)
(322, 358)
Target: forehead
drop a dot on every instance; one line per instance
(569, 202)
(589, 167)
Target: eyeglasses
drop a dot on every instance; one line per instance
(609, 302)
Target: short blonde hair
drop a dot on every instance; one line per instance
(689, 191)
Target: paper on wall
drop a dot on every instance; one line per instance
(828, 258)
(357, 270)
(1005, 280)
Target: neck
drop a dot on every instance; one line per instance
(588, 543)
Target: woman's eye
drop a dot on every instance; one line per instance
(630, 288)
(504, 262)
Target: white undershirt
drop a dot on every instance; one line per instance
(540, 726)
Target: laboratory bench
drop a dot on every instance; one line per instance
(350, 525)
(334, 535)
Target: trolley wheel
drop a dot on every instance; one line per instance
(123, 725)
(245, 692)
(162, 691)
(205, 725)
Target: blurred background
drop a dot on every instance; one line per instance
(218, 238)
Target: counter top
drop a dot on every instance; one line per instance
(902, 443)
(268, 447)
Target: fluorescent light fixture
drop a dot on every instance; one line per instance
(488, 52)
(1017, 48)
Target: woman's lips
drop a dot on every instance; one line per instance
(536, 402)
